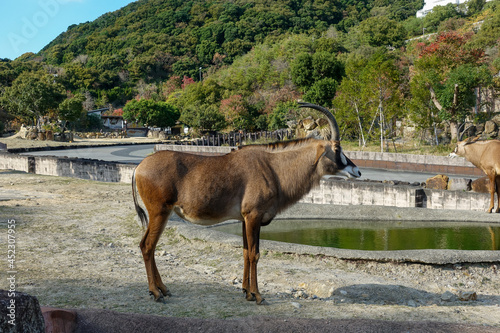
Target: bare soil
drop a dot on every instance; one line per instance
(77, 247)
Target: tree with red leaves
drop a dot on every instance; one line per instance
(446, 72)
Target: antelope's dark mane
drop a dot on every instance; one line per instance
(280, 145)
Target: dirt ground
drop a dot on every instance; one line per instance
(77, 247)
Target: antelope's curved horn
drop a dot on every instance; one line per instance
(334, 127)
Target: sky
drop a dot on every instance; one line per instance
(29, 25)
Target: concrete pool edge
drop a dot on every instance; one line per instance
(313, 211)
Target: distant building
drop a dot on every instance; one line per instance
(98, 112)
(429, 4)
(113, 122)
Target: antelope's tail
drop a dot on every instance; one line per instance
(138, 209)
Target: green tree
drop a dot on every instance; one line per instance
(439, 14)
(32, 95)
(301, 70)
(71, 109)
(322, 92)
(203, 117)
(151, 113)
(369, 93)
(381, 31)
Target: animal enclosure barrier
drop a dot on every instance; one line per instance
(238, 138)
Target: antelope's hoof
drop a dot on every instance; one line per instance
(263, 302)
(166, 293)
(250, 297)
(156, 298)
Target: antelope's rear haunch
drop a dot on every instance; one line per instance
(251, 184)
(486, 156)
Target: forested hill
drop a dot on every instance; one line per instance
(154, 39)
(220, 65)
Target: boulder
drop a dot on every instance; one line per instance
(496, 119)
(322, 122)
(490, 128)
(459, 184)
(23, 132)
(439, 182)
(481, 185)
(22, 310)
(309, 124)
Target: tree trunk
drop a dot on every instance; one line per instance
(454, 130)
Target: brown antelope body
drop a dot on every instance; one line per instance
(486, 156)
(251, 184)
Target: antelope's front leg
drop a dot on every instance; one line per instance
(251, 256)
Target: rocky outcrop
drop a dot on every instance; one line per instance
(20, 312)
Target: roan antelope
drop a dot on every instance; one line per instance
(251, 184)
(486, 156)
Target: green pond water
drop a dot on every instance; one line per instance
(380, 236)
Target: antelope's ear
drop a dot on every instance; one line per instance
(320, 152)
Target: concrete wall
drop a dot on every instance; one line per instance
(69, 167)
(16, 162)
(346, 192)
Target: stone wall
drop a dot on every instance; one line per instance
(345, 192)
(69, 167)
(335, 191)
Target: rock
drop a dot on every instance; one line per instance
(23, 132)
(467, 296)
(479, 128)
(496, 119)
(490, 128)
(412, 303)
(296, 305)
(481, 185)
(301, 294)
(22, 310)
(309, 124)
(32, 134)
(322, 122)
(459, 184)
(439, 182)
(448, 296)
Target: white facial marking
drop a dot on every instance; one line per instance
(342, 157)
(350, 172)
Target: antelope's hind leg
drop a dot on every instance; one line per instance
(493, 187)
(157, 224)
